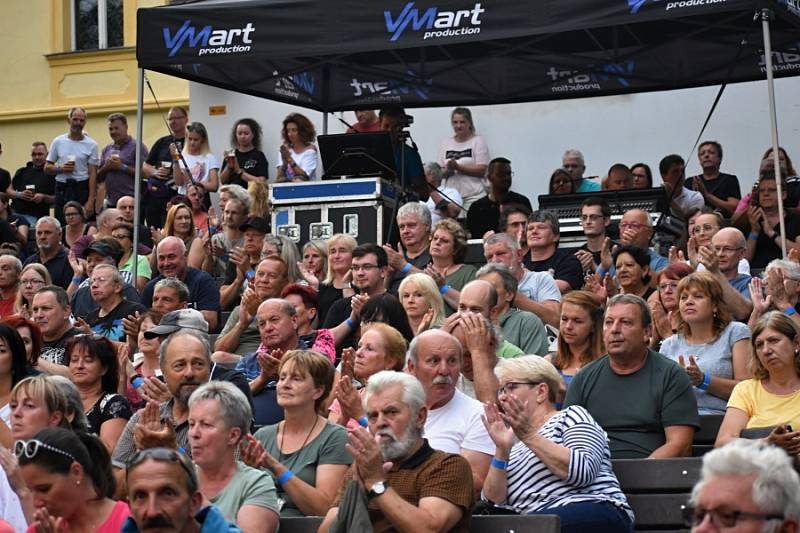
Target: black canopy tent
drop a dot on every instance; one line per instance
(349, 54)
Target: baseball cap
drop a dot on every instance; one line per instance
(257, 223)
(104, 248)
(177, 320)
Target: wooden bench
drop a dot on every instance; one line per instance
(305, 524)
(658, 489)
(480, 524)
(705, 437)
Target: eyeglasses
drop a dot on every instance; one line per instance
(31, 282)
(72, 214)
(726, 249)
(367, 267)
(29, 448)
(510, 386)
(592, 218)
(707, 228)
(721, 518)
(631, 225)
(121, 236)
(668, 287)
(164, 455)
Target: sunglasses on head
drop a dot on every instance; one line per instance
(163, 455)
(29, 448)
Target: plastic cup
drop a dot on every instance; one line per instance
(113, 154)
(71, 158)
(166, 164)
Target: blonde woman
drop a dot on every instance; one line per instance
(33, 277)
(336, 284)
(203, 165)
(421, 301)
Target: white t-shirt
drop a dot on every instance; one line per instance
(470, 152)
(451, 194)
(5, 415)
(539, 287)
(689, 199)
(306, 160)
(10, 508)
(200, 167)
(457, 425)
(743, 268)
(85, 152)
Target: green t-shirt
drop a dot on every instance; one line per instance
(457, 280)
(526, 331)
(634, 409)
(249, 340)
(508, 351)
(248, 486)
(327, 448)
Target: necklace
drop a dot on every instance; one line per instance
(283, 434)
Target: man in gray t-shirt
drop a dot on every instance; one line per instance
(641, 399)
(73, 161)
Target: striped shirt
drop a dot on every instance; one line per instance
(532, 486)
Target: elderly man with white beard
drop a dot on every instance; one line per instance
(408, 483)
(454, 419)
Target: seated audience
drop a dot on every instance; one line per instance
(243, 261)
(286, 249)
(720, 191)
(481, 297)
(548, 461)
(514, 222)
(50, 252)
(443, 202)
(787, 170)
(381, 347)
(10, 270)
(580, 335)
(764, 241)
(387, 309)
(315, 262)
(107, 286)
(412, 254)
(219, 419)
(31, 337)
(123, 233)
(145, 363)
(75, 224)
(619, 177)
(422, 302)
(733, 482)
(51, 312)
(103, 251)
(521, 328)
(537, 292)
(642, 176)
(306, 302)
(179, 224)
(561, 182)
(203, 223)
(664, 302)
(595, 224)
(781, 293)
(642, 399)
(712, 347)
(154, 472)
(682, 200)
(447, 268)
(484, 214)
(632, 265)
(480, 341)
(543, 238)
(338, 280)
(305, 453)
(13, 371)
(213, 254)
(722, 261)
(771, 397)
(58, 458)
(33, 277)
(94, 369)
(636, 229)
(453, 422)
(204, 295)
(423, 486)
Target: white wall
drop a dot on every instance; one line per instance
(627, 129)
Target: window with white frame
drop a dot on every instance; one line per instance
(96, 24)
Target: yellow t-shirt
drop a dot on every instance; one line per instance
(764, 408)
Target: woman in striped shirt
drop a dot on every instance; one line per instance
(548, 461)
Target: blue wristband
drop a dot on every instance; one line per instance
(706, 381)
(363, 421)
(789, 311)
(351, 324)
(406, 268)
(137, 382)
(500, 465)
(77, 280)
(753, 236)
(286, 476)
(444, 289)
(124, 167)
(601, 271)
(182, 451)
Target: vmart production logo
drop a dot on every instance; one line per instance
(436, 23)
(208, 40)
(636, 5)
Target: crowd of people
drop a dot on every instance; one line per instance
(193, 370)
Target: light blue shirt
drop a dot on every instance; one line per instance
(588, 185)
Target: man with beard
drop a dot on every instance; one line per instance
(421, 486)
(185, 360)
(50, 251)
(484, 214)
(454, 419)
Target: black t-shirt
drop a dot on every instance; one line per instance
(421, 261)
(338, 313)
(5, 180)
(484, 214)
(54, 351)
(43, 184)
(767, 249)
(328, 295)
(59, 268)
(562, 265)
(724, 187)
(595, 255)
(111, 325)
(253, 162)
(160, 150)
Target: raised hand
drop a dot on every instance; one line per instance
(254, 455)
(396, 258)
(676, 255)
(437, 277)
(153, 389)
(349, 400)
(426, 321)
(691, 368)
(356, 304)
(708, 258)
(515, 414)
(308, 275)
(587, 260)
(501, 434)
(269, 363)
(348, 361)
(151, 432)
(606, 254)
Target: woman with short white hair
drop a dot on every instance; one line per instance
(549, 461)
(421, 301)
(219, 418)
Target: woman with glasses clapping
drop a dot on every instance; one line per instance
(33, 277)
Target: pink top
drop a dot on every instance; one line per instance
(337, 409)
(113, 523)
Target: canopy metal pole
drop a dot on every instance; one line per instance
(137, 175)
(766, 16)
(324, 122)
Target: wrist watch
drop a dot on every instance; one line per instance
(347, 286)
(377, 489)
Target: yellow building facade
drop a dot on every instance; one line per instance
(44, 75)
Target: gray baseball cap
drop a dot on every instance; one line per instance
(177, 320)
